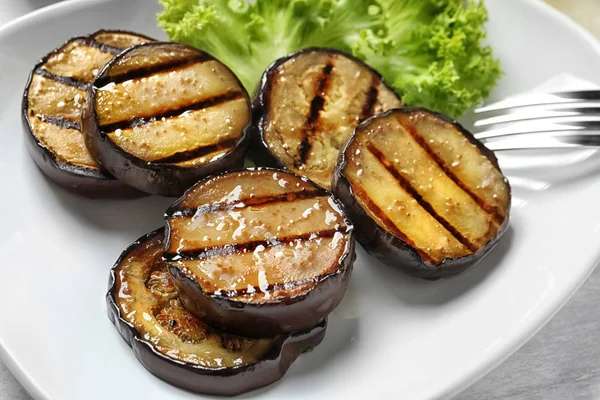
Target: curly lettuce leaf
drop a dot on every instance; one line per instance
(430, 51)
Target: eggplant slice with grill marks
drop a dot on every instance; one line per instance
(259, 252)
(425, 195)
(177, 347)
(161, 116)
(308, 106)
(52, 104)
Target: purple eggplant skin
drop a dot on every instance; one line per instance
(78, 180)
(153, 178)
(269, 319)
(265, 320)
(260, 153)
(223, 381)
(388, 248)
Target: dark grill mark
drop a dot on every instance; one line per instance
(303, 150)
(206, 103)
(361, 193)
(154, 69)
(237, 248)
(492, 211)
(197, 152)
(105, 48)
(65, 80)
(271, 287)
(60, 122)
(316, 105)
(405, 184)
(250, 202)
(372, 94)
(318, 102)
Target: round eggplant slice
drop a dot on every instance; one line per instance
(161, 116)
(259, 252)
(177, 347)
(51, 110)
(308, 106)
(425, 195)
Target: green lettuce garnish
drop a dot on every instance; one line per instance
(430, 51)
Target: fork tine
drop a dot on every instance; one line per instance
(563, 117)
(541, 121)
(532, 99)
(539, 127)
(545, 142)
(539, 112)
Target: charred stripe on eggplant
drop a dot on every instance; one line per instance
(262, 240)
(87, 41)
(197, 152)
(414, 182)
(199, 105)
(308, 105)
(493, 211)
(148, 71)
(253, 201)
(271, 223)
(236, 248)
(52, 106)
(388, 223)
(60, 122)
(163, 115)
(371, 99)
(65, 80)
(406, 185)
(270, 287)
(105, 48)
(316, 105)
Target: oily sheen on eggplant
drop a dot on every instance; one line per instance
(308, 105)
(160, 116)
(259, 252)
(176, 346)
(51, 111)
(425, 195)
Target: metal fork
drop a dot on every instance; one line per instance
(555, 120)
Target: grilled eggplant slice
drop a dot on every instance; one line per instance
(161, 116)
(425, 195)
(259, 252)
(176, 346)
(51, 110)
(308, 106)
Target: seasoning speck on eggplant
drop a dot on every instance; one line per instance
(309, 104)
(161, 116)
(54, 97)
(425, 195)
(259, 252)
(179, 348)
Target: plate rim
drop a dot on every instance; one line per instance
(457, 386)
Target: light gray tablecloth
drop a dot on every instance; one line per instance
(562, 362)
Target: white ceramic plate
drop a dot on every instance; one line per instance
(392, 335)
